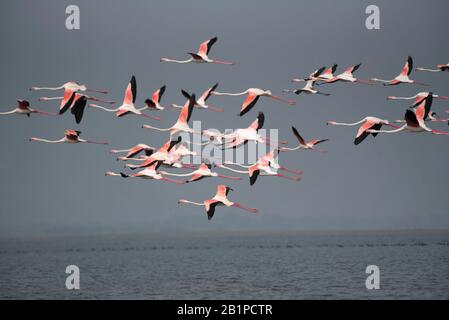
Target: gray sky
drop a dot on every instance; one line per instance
(394, 181)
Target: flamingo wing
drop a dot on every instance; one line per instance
(130, 92)
(410, 118)
(206, 94)
(134, 151)
(78, 108)
(254, 172)
(298, 136)
(187, 109)
(258, 123)
(408, 66)
(353, 68)
(23, 104)
(66, 101)
(122, 112)
(210, 206)
(157, 95)
(205, 46)
(72, 134)
(362, 132)
(317, 72)
(316, 141)
(249, 103)
(196, 177)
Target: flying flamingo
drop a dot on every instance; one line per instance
(252, 96)
(440, 68)
(162, 154)
(307, 145)
(203, 171)
(220, 199)
(23, 107)
(242, 136)
(367, 123)
(347, 76)
(176, 154)
(80, 104)
(313, 76)
(201, 102)
(432, 117)
(134, 151)
(77, 104)
(254, 171)
(403, 77)
(171, 159)
(201, 56)
(271, 157)
(148, 173)
(71, 86)
(415, 120)
(154, 102)
(418, 97)
(70, 136)
(182, 124)
(127, 106)
(308, 88)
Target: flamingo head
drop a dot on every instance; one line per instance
(330, 123)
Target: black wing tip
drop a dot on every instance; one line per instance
(185, 94)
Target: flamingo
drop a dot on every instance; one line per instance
(71, 86)
(415, 120)
(201, 102)
(70, 136)
(154, 102)
(440, 68)
(148, 173)
(134, 151)
(252, 96)
(418, 97)
(128, 103)
(182, 124)
(308, 88)
(176, 154)
(403, 77)
(347, 76)
(171, 159)
(77, 105)
(307, 145)
(202, 55)
(313, 76)
(80, 104)
(23, 107)
(162, 154)
(367, 123)
(220, 199)
(254, 171)
(203, 171)
(242, 136)
(432, 117)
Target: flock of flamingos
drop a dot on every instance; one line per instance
(149, 159)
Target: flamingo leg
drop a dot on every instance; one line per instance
(240, 206)
(287, 101)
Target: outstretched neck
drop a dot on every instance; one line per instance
(102, 108)
(46, 140)
(190, 202)
(176, 61)
(231, 169)
(229, 94)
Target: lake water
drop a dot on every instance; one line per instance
(283, 265)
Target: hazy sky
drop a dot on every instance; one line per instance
(394, 181)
